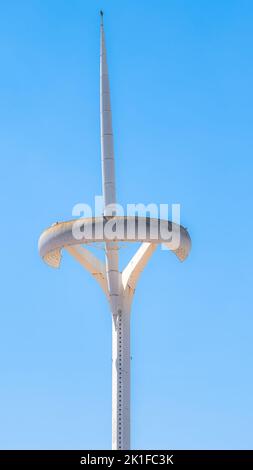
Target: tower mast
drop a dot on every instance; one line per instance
(119, 308)
(107, 150)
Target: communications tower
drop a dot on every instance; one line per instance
(119, 287)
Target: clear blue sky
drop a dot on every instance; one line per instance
(181, 78)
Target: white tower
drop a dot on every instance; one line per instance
(119, 308)
(119, 287)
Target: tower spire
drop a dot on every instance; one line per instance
(101, 16)
(107, 151)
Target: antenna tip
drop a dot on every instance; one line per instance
(101, 16)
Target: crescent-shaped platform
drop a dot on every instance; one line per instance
(100, 229)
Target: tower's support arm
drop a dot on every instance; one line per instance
(133, 270)
(91, 263)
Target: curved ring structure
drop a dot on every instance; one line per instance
(112, 229)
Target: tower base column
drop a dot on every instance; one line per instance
(121, 379)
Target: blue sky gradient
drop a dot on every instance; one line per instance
(181, 87)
